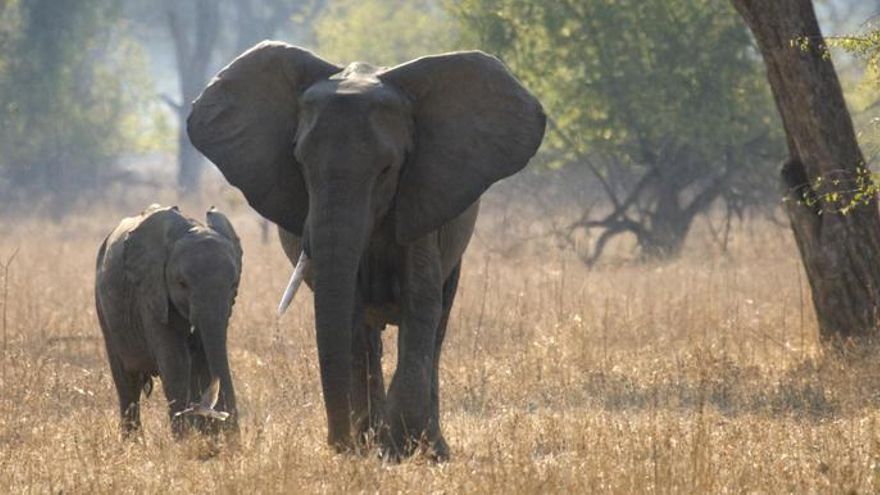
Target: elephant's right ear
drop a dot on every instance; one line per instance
(245, 122)
(145, 253)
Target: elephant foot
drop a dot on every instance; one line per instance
(204, 439)
(341, 444)
(214, 427)
(229, 432)
(217, 432)
(367, 433)
(410, 428)
(131, 432)
(183, 426)
(436, 451)
(365, 442)
(439, 450)
(180, 426)
(397, 445)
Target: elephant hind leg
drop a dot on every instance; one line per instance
(438, 443)
(128, 390)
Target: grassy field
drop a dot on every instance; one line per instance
(700, 375)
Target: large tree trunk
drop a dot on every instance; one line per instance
(840, 252)
(193, 56)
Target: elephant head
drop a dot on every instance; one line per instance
(184, 274)
(331, 154)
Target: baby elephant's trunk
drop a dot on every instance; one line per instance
(221, 394)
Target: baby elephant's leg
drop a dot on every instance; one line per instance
(128, 390)
(173, 359)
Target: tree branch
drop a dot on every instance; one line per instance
(589, 163)
(168, 100)
(710, 193)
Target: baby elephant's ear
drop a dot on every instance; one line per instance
(220, 224)
(145, 253)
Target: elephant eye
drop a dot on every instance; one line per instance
(182, 283)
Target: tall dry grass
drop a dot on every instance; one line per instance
(699, 375)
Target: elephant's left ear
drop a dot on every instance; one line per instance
(475, 124)
(220, 224)
(145, 253)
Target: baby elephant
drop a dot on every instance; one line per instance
(164, 290)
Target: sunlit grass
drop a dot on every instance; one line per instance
(700, 375)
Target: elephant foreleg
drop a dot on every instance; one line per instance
(173, 359)
(368, 387)
(199, 380)
(409, 408)
(368, 394)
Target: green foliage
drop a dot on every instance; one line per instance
(383, 32)
(73, 96)
(630, 78)
(10, 21)
(665, 102)
(865, 98)
(865, 46)
(841, 195)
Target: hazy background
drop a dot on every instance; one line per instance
(659, 110)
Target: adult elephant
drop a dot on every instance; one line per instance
(374, 176)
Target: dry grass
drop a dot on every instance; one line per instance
(701, 375)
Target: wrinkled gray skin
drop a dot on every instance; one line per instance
(164, 290)
(375, 173)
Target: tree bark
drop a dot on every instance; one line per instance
(193, 57)
(840, 251)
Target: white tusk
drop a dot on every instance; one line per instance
(296, 279)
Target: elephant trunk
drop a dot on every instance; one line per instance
(338, 235)
(212, 326)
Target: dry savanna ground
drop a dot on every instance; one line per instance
(698, 375)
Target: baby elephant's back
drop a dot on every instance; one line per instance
(110, 270)
(112, 295)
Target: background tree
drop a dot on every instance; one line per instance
(840, 252)
(205, 36)
(254, 20)
(666, 124)
(382, 32)
(71, 101)
(864, 99)
(194, 28)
